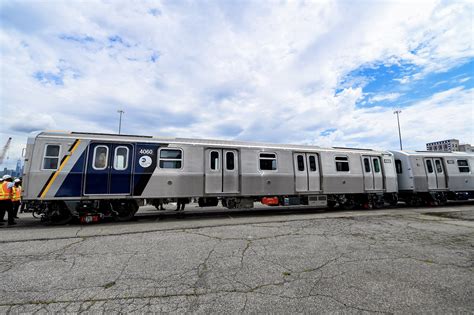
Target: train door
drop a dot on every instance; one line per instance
(306, 167)
(221, 171)
(120, 181)
(368, 173)
(430, 173)
(372, 170)
(378, 176)
(109, 169)
(440, 174)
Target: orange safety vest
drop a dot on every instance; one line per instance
(5, 192)
(16, 193)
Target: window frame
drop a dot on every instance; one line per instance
(51, 157)
(428, 166)
(127, 157)
(170, 159)
(367, 165)
(398, 163)
(377, 165)
(268, 158)
(437, 163)
(300, 163)
(310, 166)
(94, 157)
(218, 164)
(346, 161)
(227, 161)
(464, 167)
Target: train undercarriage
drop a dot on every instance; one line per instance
(88, 211)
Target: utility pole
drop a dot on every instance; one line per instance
(397, 112)
(120, 119)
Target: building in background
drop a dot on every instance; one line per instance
(17, 172)
(466, 148)
(448, 146)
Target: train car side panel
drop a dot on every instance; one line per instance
(342, 172)
(178, 172)
(267, 172)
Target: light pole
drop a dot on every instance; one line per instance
(120, 119)
(399, 132)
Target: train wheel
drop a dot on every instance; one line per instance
(58, 213)
(348, 205)
(124, 210)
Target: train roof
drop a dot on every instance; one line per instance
(434, 153)
(192, 141)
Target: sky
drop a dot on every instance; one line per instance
(326, 73)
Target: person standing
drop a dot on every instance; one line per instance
(6, 196)
(2, 211)
(181, 203)
(16, 197)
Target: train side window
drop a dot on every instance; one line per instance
(121, 158)
(342, 163)
(268, 161)
(439, 168)
(398, 166)
(51, 157)
(376, 166)
(463, 166)
(171, 158)
(229, 156)
(101, 157)
(300, 160)
(367, 165)
(312, 163)
(214, 160)
(429, 165)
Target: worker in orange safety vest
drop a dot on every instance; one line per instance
(6, 200)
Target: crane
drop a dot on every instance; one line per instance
(3, 153)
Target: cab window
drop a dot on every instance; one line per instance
(51, 157)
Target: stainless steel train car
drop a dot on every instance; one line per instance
(73, 174)
(434, 177)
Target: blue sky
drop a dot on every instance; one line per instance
(328, 73)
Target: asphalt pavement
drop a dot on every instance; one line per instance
(405, 260)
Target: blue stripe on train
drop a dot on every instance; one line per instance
(72, 185)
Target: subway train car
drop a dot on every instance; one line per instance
(87, 175)
(434, 177)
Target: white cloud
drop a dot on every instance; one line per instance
(263, 71)
(384, 97)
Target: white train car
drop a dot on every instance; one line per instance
(425, 176)
(71, 174)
